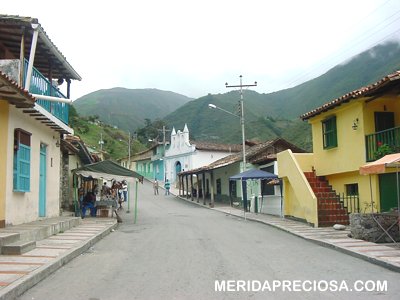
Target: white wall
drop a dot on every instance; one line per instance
(202, 158)
(24, 207)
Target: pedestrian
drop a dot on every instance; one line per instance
(155, 186)
(105, 190)
(89, 202)
(124, 190)
(167, 186)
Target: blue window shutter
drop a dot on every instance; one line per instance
(22, 168)
(25, 168)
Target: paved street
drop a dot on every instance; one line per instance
(177, 250)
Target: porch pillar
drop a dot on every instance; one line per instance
(212, 189)
(35, 28)
(197, 188)
(187, 187)
(179, 184)
(21, 58)
(204, 188)
(182, 185)
(191, 187)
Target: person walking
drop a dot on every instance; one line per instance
(167, 186)
(155, 186)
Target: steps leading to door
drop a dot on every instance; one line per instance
(330, 209)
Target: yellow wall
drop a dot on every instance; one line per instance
(4, 111)
(299, 199)
(386, 103)
(349, 155)
(366, 189)
(341, 165)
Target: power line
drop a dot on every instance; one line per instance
(330, 59)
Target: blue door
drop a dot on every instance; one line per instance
(178, 169)
(42, 181)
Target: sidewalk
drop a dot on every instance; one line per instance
(18, 273)
(385, 255)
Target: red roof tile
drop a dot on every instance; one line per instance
(368, 90)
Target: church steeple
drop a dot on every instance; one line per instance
(186, 134)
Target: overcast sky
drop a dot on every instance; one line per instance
(194, 47)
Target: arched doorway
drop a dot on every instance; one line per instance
(178, 168)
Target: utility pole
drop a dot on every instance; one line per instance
(101, 142)
(241, 86)
(244, 185)
(129, 150)
(165, 163)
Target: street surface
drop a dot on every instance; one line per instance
(177, 250)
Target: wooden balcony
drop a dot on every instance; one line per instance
(381, 143)
(42, 86)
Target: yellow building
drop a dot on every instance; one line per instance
(33, 121)
(348, 132)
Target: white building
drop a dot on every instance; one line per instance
(183, 155)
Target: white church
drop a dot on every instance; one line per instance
(184, 155)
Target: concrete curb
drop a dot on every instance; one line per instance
(19, 286)
(367, 258)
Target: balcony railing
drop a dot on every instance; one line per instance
(374, 143)
(42, 86)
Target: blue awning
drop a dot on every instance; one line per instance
(254, 174)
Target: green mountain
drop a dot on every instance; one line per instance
(127, 109)
(277, 114)
(91, 131)
(266, 115)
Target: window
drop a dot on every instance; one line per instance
(22, 160)
(329, 133)
(352, 189)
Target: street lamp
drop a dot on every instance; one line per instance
(213, 106)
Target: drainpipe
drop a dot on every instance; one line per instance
(35, 28)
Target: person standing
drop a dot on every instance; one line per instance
(124, 190)
(167, 186)
(155, 187)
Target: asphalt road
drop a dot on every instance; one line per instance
(177, 250)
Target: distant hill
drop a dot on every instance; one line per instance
(128, 108)
(277, 114)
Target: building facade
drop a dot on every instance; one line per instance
(34, 120)
(323, 187)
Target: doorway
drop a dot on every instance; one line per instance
(42, 180)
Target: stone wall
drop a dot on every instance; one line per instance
(64, 183)
(365, 227)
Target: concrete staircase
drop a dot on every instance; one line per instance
(16, 240)
(330, 210)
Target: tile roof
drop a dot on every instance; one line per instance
(208, 146)
(369, 90)
(256, 154)
(46, 52)
(14, 94)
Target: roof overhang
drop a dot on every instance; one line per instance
(11, 92)
(369, 92)
(13, 28)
